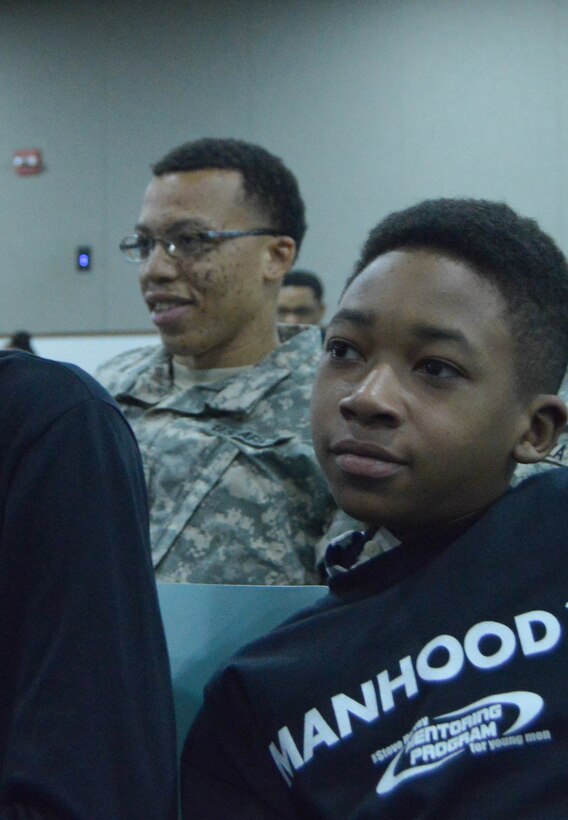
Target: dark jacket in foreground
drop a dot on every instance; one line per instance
(429, 683)
(86, 714)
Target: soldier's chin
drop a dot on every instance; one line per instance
(176, 345)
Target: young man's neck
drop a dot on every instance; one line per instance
(440, 529)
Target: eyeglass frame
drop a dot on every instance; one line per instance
(201, 236)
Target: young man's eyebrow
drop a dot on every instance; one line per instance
(423, 333)
(433, 333)
(363, 318)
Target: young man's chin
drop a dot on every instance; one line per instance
(367, 510)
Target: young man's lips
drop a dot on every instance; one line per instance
(365, 460)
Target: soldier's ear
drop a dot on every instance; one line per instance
(545, 420)
(280, 255)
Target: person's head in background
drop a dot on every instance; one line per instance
(20, 340)
(300, 301)
(221, 222)
(441, 365)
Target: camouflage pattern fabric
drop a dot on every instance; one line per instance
(558, 457)
(236, 494)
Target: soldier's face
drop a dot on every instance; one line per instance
(299, 306)
(207, 306)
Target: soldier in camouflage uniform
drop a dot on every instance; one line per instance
(220, 409)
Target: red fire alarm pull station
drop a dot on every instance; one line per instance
(27, 163)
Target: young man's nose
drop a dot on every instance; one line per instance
(377, 398)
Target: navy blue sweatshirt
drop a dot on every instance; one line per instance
(429, 683)
(86, 714)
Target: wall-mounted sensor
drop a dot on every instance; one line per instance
(84, 258)
(28, 162)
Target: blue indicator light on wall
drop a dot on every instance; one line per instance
(84, 258)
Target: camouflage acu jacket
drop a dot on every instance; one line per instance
(236, 495)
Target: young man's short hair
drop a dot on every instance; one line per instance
(508, 250)
(268, 183)
(304, 279)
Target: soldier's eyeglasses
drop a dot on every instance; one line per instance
(138, 246)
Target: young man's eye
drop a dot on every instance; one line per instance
(339, 349)
(439, 369)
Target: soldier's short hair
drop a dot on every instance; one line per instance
(267, 182)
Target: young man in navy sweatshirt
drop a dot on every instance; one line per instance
(430, 682)
(86, 708)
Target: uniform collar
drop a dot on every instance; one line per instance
(151, 382)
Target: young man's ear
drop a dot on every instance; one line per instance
(547, 416)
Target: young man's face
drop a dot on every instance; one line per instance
(215, 308)
(415, 413)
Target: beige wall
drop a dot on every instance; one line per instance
(373, 103)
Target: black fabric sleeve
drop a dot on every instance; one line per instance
(86, 702)
(226, 768)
